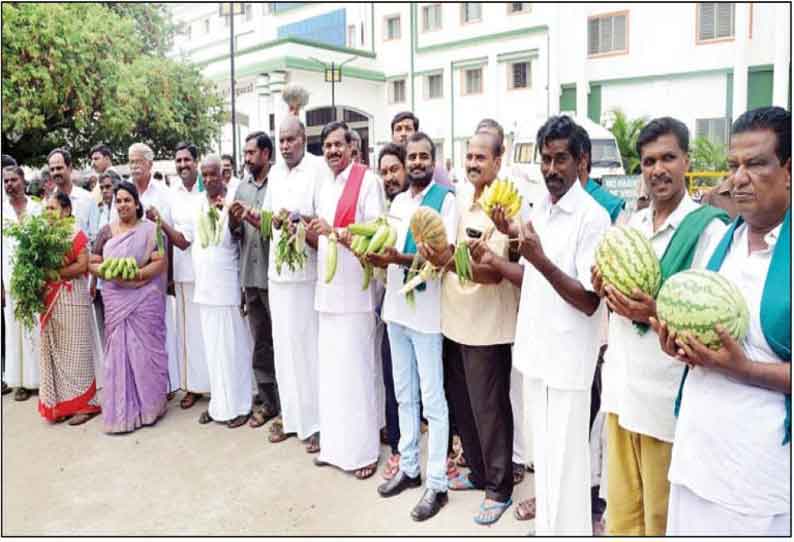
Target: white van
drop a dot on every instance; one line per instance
(526, 158)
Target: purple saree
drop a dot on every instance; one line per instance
(136, 361)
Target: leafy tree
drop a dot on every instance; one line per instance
(626, 132)
(79, 74)
(707, 155)
(152, 23)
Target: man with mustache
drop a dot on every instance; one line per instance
(414, 334)
(640, 382)
(229, 173)
(293, 186)
(403, 126)
(351, 413)
(478, 317)
(156, 199)
(60, 164)
(731, 463)
(557, 328)
(254, 263)
(101, 161)
(190, 346)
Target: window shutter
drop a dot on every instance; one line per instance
(592, 38)
(707, 20)
(619, 29)
(605, 35)
(725, 20)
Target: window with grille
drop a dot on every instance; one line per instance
(607, 34)
(470, 12)
(519, 75)
(393, 28)
(716, 20)
(472, 81)
(431, 17)
(715, 130)
(518, 7)
(397, 91)
(434, 86)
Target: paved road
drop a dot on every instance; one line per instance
(180, 478)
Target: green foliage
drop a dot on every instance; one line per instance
(707, 155)
(626, 132)
(79, 74)
(42, 242)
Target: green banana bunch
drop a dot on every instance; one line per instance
(330, 259)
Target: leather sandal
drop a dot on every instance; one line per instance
(238, 421)
(313, 444)
(205, 417)
(365, 472)
(277, 433)
(392, 467)
(260, 416)
(189, 400)
(525, 510)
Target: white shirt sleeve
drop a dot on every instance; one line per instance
(372, 205)
(594, 228)
(449, 214)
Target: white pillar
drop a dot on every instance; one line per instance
(782, 54)
(278, 80)
(579, 44)
(741, 22)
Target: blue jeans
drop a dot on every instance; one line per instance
(417, 366)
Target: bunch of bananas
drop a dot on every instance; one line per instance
(121, 268)
(501, 193)
(371, 237)
(463, 262)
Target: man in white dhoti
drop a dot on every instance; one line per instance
(189, 341)
(731, 463)
(294, 185)
(21, 345)
(349, 407)
(216, 267)
(557, 330)
(156, 198)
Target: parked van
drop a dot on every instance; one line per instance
(526, 158)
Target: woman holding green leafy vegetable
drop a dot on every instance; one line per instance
(68, 385)
(136, 360)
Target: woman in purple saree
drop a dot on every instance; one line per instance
(136, 361)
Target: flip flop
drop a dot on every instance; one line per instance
(525, 510)
(365, 472)
(461, 483)
(313, 444)
(238, 421)
(189, 400)
(484, 517)
(277, 433)
(392, 467)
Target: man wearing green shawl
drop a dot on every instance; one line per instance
(731, 464)
(639, 381)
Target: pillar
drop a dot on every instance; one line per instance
(742, 20)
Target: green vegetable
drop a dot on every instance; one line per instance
(43, 241)
(291, 247)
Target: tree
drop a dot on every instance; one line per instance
(151, 22)
(78, 74)
(707, 155)
(626, 132)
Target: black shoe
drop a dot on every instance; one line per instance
(398, 484)
(429, 505)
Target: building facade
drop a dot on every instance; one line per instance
(518, 62)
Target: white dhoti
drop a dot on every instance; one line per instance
(22, 350)
(294, 322)
(522, 432)
(380, 384)
(690, 515)
(349, 418)
(171, 343)
(228, 355)
(560, 420)
(194, 376)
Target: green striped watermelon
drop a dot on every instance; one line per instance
(694, 301)
(626, 260)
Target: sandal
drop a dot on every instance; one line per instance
(313, 444)
(490, 514)
(205, 417)
(189, 400)
(277, 433)
(525, 510)
(462, 482)
(21, 394)
(170, 395)
(238, 421)
(80, 419)
(452, 468)
(365, 472)
(260, 417)
(392, 467)
(518, 473)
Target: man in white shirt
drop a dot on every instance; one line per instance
(415, 335)
(294, 185)
(639, 381)
(156, 198)
(231, 180)
(557, 330)
(216, 268)
(60, 165)
(350, 412)
(731, 464)
(189, 338)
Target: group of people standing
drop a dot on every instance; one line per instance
(518, 362)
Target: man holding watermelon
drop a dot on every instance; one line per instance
(731, 461)
(639, 381)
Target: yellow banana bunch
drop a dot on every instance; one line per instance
(501, 193)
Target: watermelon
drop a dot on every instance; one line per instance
(694, 301)
(626, 260)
